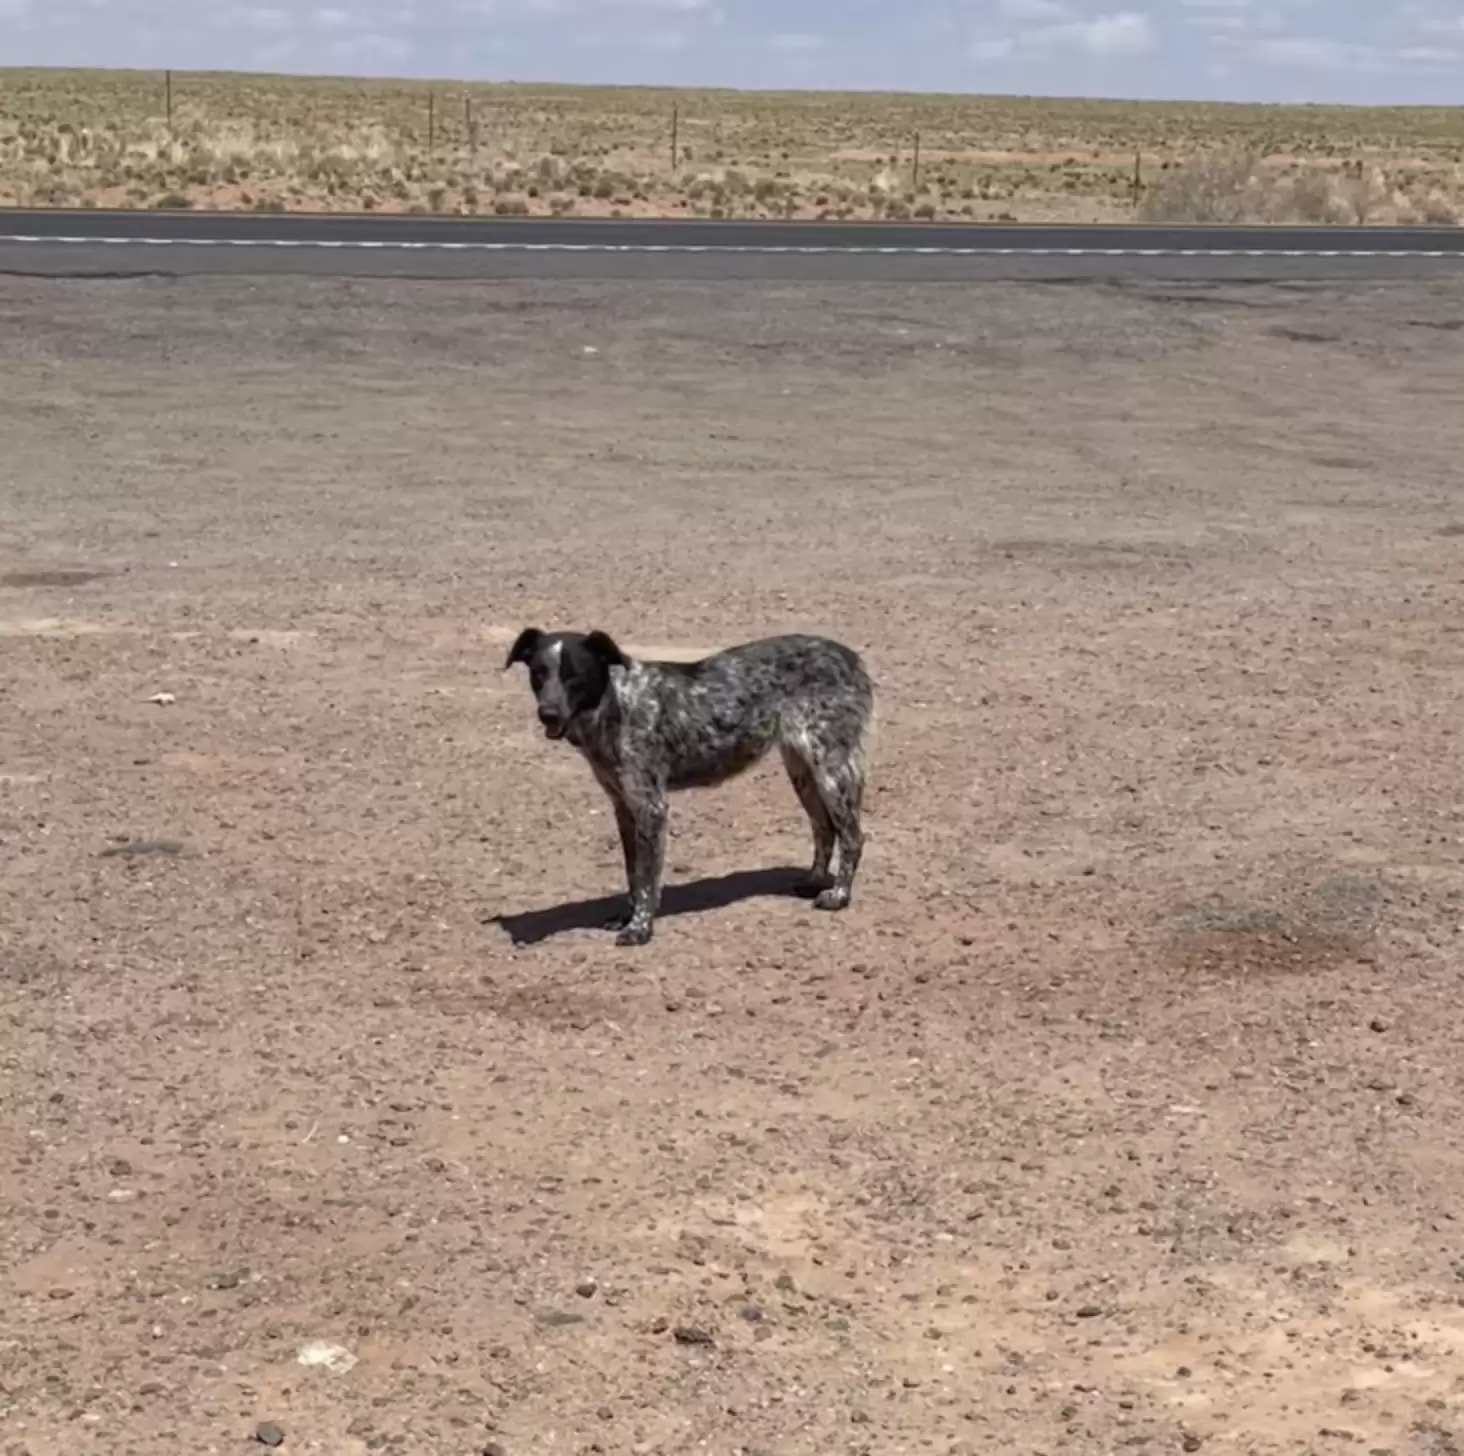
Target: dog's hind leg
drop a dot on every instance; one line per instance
(801, 776)
(839, 778)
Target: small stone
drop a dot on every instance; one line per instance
(494, 1449)
(858, 1418)
(587, 1289)
(1090, 1311)
(1192, 1443)
(223, 1281)
(752, 1314)
(267, 1433)
(558, 1319)
(1377, 1024)
(692, 1335)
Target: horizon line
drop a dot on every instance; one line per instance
(752, 91)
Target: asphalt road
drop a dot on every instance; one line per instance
(90, 243)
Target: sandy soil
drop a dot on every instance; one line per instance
(1121, 1111)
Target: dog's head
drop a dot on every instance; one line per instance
(568, 671)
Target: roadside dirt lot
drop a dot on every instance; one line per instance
(1123, 1110)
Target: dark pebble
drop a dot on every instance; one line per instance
(586, 1288)
(692, 1335)
(494, 1449)
(1192, 1443)
(1378, 1024)
(1090, 1311)
(269, 1434)
(134, 848)
(223, 1281)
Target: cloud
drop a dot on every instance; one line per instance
(1126, 33)
(1129, 33)
(372, 45)
(1313, 53)
(793, 42)
(1435, 24)
(1430, 55)
(259, 17)
(1032, 9)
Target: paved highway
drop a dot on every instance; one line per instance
(88, 243)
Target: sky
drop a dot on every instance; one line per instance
(1363, 51)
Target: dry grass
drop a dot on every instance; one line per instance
(102, 139)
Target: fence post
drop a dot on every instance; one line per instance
(468, 122)
(1138, 176)
(915, 166)
(431, 122)
(675, 129)
(168, 96)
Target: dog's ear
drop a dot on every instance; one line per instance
(603, 645)
(524, 648)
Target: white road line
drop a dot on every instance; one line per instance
(380, 245)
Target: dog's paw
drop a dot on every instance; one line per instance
(811, 887)
(634, 934)
(618, 921)
(833, 898)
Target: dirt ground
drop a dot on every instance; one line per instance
(1121, 1111)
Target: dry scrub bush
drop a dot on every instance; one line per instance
(1220, 188)
(1235, 188)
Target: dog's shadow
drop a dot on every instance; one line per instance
(532, 926)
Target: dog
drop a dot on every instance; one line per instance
(649, 728)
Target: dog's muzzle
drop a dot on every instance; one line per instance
(555, 727)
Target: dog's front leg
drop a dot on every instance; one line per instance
(649, 822)
(625, 826)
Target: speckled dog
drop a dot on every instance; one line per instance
(650, 728)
